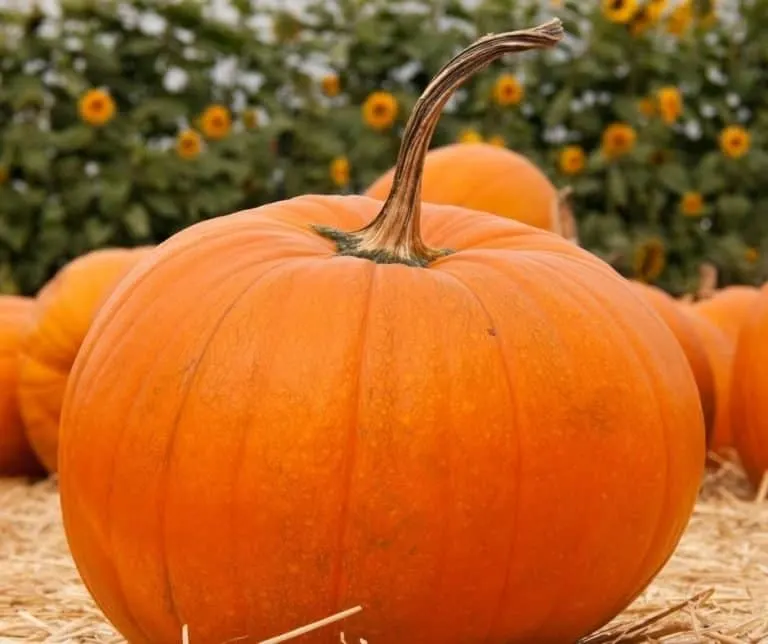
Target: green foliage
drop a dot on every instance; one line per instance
(67, 186)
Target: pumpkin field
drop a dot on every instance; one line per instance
(429, 408)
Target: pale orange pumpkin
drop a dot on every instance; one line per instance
(448, 418)
(749, 390)
(720, 350)
(693, 346)
(727, 307)
(62, 316)
(485, 177)
(16, 456)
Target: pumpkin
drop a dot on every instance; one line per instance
(16, 456)
(62, 316)
(727, 308)
(719, 350)
(331, 402)
(485, 177)
(749, 391)
(687, 335)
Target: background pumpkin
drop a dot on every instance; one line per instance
(727, 308)
(63, 313)
(327, 431)
(16, 456)
(481, 176)
(693, 346)
(749, 392)
(720, 351)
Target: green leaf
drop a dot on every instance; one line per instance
(734, 207)
(617, 186)
(73, 139)
(137, 222)
(674, 177)
(114, 195)
(559, 108)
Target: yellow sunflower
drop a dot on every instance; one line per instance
(216, 122)
(618, 140)
(640, 22)
(655, 9)
(751, 255)
(380, 110)
(339, 171)
(680, 19)
(189, 144)
(692, 204)
(251, 119)
(508, 90)
(620, 11)
(470, 135)
(96, 107)
(572, 160)
(735, 141)
(497, 140)
(650, 259)
(670, 104)
(331, 85)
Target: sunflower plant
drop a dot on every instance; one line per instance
(124, 122)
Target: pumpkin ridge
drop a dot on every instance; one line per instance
(627, 332)
(515, 437)
(349, 460)
(120, 301)
(183, 397)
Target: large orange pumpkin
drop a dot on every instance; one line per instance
(687, 335)
(727, 308)
(16, 456)
(720, 350)
(63, 313)
(280, 415)
(481, 176)
(749, 391)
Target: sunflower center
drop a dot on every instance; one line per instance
(379, 109)
(97, 105)
(617, 5)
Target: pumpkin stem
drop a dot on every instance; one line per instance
(394, 236)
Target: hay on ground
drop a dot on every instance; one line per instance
(714, 589)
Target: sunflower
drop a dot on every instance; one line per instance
(189, 144)
(339, 171)
(670, 104)
(680, 19)
(251, 119)
(640, 22)
(647, 107)
(380, 110)
(331, 85)
(751, 255)
(692, 204)
(572, 160)
(650, 259)
(620, 11)
(497, 140)
(470, 135)
(96, 107)
(216, 122)
(655, 9)
(618, 140)
(508, 90)
(735, 141)
(4, 174)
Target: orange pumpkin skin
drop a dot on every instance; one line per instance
(720, 351)
(749, 391)
(687, 335)
(259, 433)
(63, 313)
(16, 455)
(727, 308)
(484, 177)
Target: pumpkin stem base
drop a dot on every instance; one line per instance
(351, 244)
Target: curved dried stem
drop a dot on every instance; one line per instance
(395, 234)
